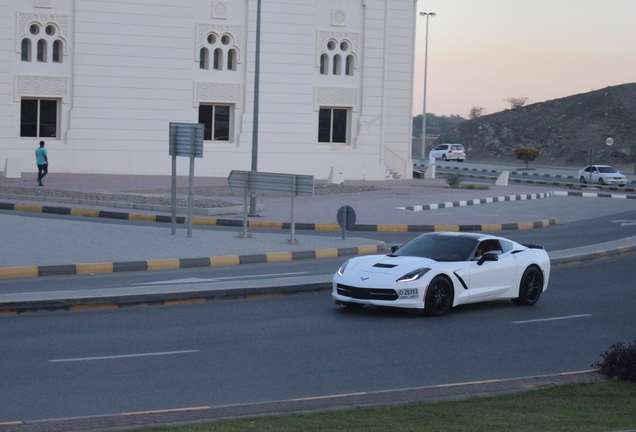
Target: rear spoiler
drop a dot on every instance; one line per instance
(533, 246)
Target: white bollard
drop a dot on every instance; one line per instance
(13, 168)
(503, 179)
(430, 172)
(336, 175)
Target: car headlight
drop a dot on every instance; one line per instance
(342, 268)
(414, 275)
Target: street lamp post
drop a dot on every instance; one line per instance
(423, 149)
(257, 68)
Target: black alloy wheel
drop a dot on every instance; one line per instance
(439, 296)
(530, 288)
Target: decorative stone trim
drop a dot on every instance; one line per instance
(43, 3)
(219, 10)
(338, 17)
(216, 92)
(324, 35)
(203, 29)
(25, 19)
(40, 86)
(335, 97)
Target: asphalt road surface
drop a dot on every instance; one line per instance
(229, 352)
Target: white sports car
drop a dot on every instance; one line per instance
(437, 271)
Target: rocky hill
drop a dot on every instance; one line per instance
(563, 130)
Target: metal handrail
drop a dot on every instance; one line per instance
(391, 159)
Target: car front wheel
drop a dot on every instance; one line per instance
(601, 181)
(530, 287)
(439, 296)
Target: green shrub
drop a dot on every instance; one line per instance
(619, 361)
(527, 154)
(453, 179)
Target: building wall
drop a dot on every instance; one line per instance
(130, 68)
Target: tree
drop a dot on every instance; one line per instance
(527, 154)
(476, 111)
(517, 102)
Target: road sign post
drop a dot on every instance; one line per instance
(346, 218)
(186, 139)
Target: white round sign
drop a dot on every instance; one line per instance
(609, 142)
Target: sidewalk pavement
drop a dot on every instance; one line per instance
(67, 244)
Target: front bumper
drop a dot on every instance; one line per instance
(377, 296)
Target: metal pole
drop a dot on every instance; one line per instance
(190, 193)
(423, 149)
(257, 69)
(173, 206)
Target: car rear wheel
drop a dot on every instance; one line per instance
(582, 179)
(444, 158)
(530, 287)
(439, 296)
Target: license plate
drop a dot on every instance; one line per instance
(408, 293)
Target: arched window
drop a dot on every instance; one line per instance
(218, 59)
(41, 56)
(337, 64)
(57, 51)
(231, 59)
(349, 65)
(204, 59)
(324, 64)
(26, 50)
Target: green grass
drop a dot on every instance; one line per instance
(598, 406)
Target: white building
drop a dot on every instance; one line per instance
(100, 81)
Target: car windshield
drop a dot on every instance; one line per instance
(607, 170)
(439, 247)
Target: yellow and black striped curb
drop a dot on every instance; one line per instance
(275, 225)
(184, 263)
(593, 256)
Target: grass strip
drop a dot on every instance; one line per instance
(593, 407)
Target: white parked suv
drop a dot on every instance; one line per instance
(450, 152)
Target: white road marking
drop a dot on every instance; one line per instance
(625, 222)
(123, 356)
(219, 279)
(552, 319)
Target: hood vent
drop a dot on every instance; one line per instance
(380, 265)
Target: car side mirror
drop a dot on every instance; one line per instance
(394, 248)
(489, 256)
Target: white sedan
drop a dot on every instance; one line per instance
(602, 174)
(436, 271)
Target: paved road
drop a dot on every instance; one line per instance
(281, 349)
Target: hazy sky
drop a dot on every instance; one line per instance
(481, 52)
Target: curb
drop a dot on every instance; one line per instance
(539, 182)
(173, 264)
(128, 205)
(92, 303)
(427, 394)
(237, 223)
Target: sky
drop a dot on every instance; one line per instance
(482, 52)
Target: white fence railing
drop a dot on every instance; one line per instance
(396, 162)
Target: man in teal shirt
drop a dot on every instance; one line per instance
(42, 160)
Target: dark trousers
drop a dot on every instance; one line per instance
(42, 171)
